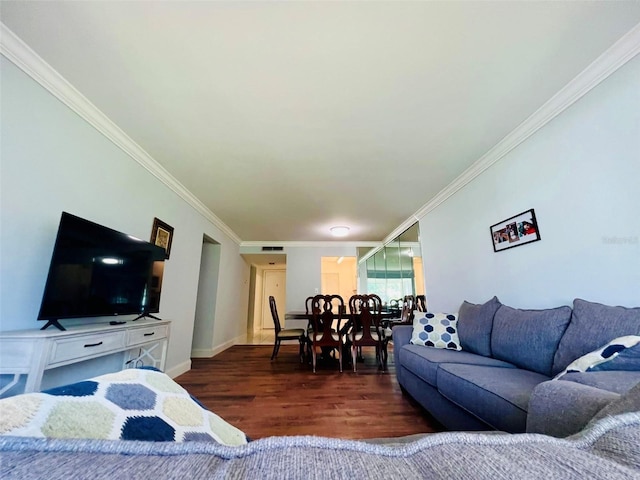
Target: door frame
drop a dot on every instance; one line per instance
(266, 322)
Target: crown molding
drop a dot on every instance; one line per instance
(626, 48)
(21, 55)
(310, 244)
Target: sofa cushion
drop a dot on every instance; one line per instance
(604, 357)
(437, 330)
(475, 323)
(499, 396)
(423, 361)
(617, 382)
(528, 338)
(593, 325)
(628, 402)
(562, 408)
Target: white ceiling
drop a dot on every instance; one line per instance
(286, 118)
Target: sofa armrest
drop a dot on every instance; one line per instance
(402, 335)
(560, 408)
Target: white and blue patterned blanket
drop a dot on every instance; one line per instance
(134, 404)
(622, 353)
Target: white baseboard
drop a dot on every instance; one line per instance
(202, 353)
(178, 370)
(212, 352)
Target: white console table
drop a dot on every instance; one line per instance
(31, 352)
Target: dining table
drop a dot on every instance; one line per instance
(302, 319)
(341, 322)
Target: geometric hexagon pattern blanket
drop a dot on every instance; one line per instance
(134, 404)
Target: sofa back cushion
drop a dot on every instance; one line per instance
(475, 323)
(592, 326)
(529, 338)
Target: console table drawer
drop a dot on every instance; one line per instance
(65, 349)
(143, 335)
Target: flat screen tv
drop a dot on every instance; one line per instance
(97, 272)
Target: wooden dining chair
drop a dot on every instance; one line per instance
(421, 303)
(307, 304)
(285, 334)
(366, 328)
(394, 307)
(309, 308)
(406, 318)
(408, 305)
(324, 310)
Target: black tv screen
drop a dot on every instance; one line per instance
(96, 271)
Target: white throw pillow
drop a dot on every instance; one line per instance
(603, 354)
(439, 330)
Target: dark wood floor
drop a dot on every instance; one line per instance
(285, 397)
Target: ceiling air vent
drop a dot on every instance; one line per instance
(272, 249)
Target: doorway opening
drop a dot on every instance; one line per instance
(268, 277)
(339, 275)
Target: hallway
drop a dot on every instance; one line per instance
(262, 337)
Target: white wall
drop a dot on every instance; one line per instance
(232, 304)
(581, 174)
(205, 318)
(52, 161)
(304, 271)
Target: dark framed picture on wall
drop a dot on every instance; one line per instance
(515, 231)
(162, 235)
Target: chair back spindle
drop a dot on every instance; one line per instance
(274, 314)
(367, 331)
(323, 313)
(288, 334)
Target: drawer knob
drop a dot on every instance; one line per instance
(149, 334)
(92, 344)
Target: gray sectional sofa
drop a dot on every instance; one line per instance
(502, 378)
(606, 450)
(165, 434)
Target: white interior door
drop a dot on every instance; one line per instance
(274, 284)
